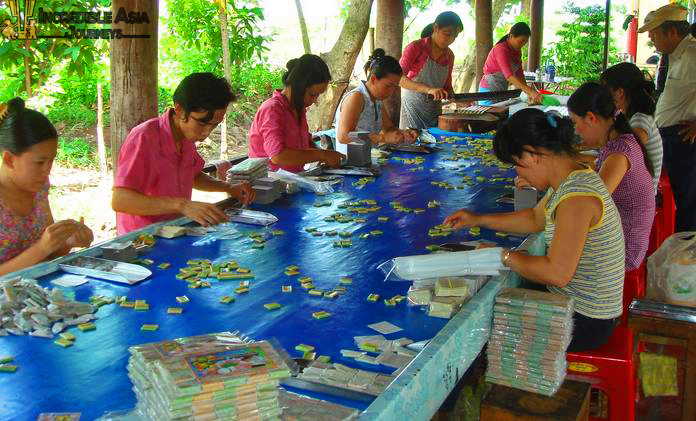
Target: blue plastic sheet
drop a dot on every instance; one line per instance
(90, 377)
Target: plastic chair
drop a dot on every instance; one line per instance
(634, 287)
(609, 369)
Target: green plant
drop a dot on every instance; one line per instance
(579, 53)
(76, 153)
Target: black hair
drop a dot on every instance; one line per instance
(638, 91)
(443, 20)
(682, 27)
(203, 92)
(302, 73)
(22, 128)
(535, 128)
(595, 98)
(519, 29)
(381, 65)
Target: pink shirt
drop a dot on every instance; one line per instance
(502, 62)
(275, 128)
(150, 163)
(416, 55)
(18, 233)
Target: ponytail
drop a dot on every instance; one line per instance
(380, 65)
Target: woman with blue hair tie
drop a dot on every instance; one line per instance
(577, 218)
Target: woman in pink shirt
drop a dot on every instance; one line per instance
(427, 64)
(503, 65)
(28, 234)
(623, 164)
(279, 130)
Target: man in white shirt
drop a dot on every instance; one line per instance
(676, 108)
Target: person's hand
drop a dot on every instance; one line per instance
(689, 132)
(243, 192)
(82, 237)
(204, 213)
(410, 135)
(332, 158)
(56, 235)
(393, 137)
(521, 183)
(462, 219)
(534, 98)
(438, 93)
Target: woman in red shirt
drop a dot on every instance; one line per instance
(427, 64)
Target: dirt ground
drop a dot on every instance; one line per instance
(84, 193)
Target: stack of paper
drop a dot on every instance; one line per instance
(531, 331)
(210, 377)
(250, 169)
(344, 377)
(267, 190)
(452, 287)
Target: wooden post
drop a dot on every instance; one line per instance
(484, 35)
(371, 39)
(101, 146)
(303, 28)
(133, 71)
(537, 24)
(390, 36)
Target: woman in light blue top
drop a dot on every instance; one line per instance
(362, 110)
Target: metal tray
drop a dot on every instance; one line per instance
(125, 273)
(353, 171)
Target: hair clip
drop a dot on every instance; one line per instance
(552, 121)
(4, 111)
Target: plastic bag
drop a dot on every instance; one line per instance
(485, 261)
(672, 270)
(305, 183)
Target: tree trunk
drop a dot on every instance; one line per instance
(537, 24)
(525, 8)
(303, 28)
(27, 69)
(101, 146)
(484, 35)
(227, 70)
(341, 60)
(133, 72)
(371, 39)
(468, 72)
(390, 37)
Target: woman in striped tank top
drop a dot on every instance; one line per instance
(622, 164)
(581, 226)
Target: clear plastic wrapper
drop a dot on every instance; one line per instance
(461, 263)
(304, 182)
(297, 407)
(224, 231)
(419, 296)
(672, 270)
(445, 307)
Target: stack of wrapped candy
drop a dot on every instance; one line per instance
(531, 331)
(208, 377)
(251, 169)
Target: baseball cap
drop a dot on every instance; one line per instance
(655, 18)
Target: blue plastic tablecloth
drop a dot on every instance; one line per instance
(90, 377)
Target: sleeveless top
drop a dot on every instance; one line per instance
(18, 233)
(597, 285)
(370, 119)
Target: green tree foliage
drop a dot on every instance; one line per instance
(44, 53)
(579, 53)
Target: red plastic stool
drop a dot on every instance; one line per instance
(634, 287)
(611, 370)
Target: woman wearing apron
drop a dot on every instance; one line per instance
(503, 65)
(427, 64)
(362, 110)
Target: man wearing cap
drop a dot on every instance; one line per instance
(676, 108)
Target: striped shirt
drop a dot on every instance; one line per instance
(633, 197)
(654, 146)
(597, 286)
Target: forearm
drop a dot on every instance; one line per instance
(296, 157)
(204, 182)
(407, 83)
(28, 257)
(520, 84)
(520, 222)
(135, 203)
(539, 269)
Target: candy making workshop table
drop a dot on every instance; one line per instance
(90, 377)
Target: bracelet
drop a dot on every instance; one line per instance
(506, 257)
